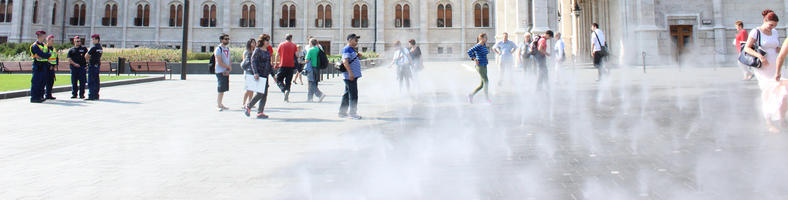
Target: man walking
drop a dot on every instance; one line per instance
(50, 74)
(40, 54)
(312, 68)
(524, 53)
(352, 64)
(77, 62)
(223, 68)
(560, 56)
(599, 46)
(541, 61)
(286, 69)
(504, 49)
(94, 64)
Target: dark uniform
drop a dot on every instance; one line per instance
(77, 54)
(50, 74)
(40, 54)
(94, 65)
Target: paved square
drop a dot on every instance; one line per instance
(691, 133)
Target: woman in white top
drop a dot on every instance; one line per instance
(245, 65)
(773, 90)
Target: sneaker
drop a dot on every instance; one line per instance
(355, 116)
(342, 115)
(262, 116)
(73, 97)
(82, 97)
(246, 111)
(52, 98)
(321, 98)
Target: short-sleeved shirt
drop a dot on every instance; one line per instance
(222, 53)
(286, 51)
(311, 56)
(77, 54)
(741, 37)
(505, 47)
(542, 44)
(355, 64)
(598, 43)
(95, 53)
(559, 50)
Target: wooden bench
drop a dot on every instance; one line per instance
(106, 67)
(144, 67)
(26, 66)
(11, 67)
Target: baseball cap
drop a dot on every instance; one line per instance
(352, 36)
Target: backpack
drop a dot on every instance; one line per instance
(404, 58)
(322, 60)
(212, 64)
(534, 49)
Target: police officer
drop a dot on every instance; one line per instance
(40, 54)
(94, 64)
(50, 74)
(77, 62)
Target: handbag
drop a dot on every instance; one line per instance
(341, 66)
(751, 60)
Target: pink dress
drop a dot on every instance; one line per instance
(773, 93)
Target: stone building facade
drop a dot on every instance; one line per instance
(696, 32)
(444, 28)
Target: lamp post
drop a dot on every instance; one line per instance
(185, 43)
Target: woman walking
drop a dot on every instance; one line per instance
(479, 54)
(261, 68)
(773, 92)
(246, 66)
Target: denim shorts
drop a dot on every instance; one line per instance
(224, 82)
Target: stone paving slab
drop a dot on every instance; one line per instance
(649, 136)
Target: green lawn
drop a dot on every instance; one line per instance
(10, 82)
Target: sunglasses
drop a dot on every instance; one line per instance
(226, 39)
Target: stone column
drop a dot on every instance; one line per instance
(719, 32)
(540, 16)
(423, 26)
(463, 24)
(125, 21)
(341, 20)
(304, 9)
(157, 19)
(381, 17)
(522, 17)
(92, 17)
(226, 16)
(648, 32)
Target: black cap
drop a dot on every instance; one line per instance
(352, 36)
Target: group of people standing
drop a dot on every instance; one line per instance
(408, 62)
(259, 63)
(532, 54)
(45, 61)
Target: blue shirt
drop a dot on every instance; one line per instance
(355, 63)
(479, 52)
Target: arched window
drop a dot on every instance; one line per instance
(398, 16)
(441, 16)
(288, 18)
(208, 15)
(78, 16)
(364, 17)
(176, 15)
(2, 11)
(448, 15)
(356, 20)
(481, 15)
(35, 12)
(323, 16)
(143, 15)
(248, 11)
(54, 13)
(402, 12)
(110, 14)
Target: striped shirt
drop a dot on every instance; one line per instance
(479, 52)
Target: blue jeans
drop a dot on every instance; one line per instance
(78, 80)
(313, 75)
(93, 81)
(350, 98)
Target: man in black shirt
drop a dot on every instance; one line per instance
(76, 58)
(94, 64)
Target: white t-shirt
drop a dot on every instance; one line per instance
(595, 42)
(224, 54)
(769, 43)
